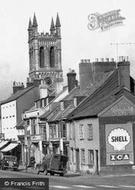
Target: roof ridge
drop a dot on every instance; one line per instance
(17, 95)
(94, 93)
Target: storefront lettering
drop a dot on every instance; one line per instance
(119, 138)
(119, 157)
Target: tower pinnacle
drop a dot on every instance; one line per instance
(35, 21)
(30, 24)
(52, 27)
(58, 21)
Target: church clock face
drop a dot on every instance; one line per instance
(48, 81)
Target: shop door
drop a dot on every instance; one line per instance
(97, 167)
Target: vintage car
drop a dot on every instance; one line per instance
(9, 162)
(54, 164)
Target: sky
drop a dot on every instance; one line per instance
(78, 42)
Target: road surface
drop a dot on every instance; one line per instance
(119, 182)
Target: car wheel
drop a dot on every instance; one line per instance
(52, 173)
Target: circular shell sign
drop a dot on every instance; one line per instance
(118, 138)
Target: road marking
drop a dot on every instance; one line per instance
(127, 186)
(83, 186)
(60, 187)
(107, 186)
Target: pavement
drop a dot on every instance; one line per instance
(72, 174)
(35, 171)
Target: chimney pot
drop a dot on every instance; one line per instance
(102, 59)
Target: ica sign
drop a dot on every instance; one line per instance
(118, 138)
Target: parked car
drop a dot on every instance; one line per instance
(54, 164)
(9, 161)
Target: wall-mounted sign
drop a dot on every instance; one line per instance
(119, 144)
(36, 138)
(119, 157)
(118, 138)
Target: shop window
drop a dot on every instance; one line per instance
(90, 131)
(33, 125)
(53, 131)
(81, 132)
(43, 130)
(82, 156)
(90, 158)
(63, 129)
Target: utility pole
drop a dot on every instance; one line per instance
(117, 44)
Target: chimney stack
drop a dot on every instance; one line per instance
(17, 86)
(29, 83)
(124, 72)
(71, 77)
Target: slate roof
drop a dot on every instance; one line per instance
(102, 97)
(17, 95)
(99, 99)
(56, 114)
(20, 125)
(53, 106)
(74, 92)
(52, 117)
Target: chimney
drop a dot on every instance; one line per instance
(85, 73)
(29, 83)
(124, 72)
(72, 82)
(17, 86)
(36, 82)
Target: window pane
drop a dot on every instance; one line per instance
(81, 132)
(90, 132)
(91, 157)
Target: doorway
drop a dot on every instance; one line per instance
(77, 160)
(97, 166)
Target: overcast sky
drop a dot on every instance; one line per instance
(78, 42)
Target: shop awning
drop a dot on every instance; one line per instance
(3, 143)
(9, 147)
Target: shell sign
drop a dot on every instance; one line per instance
(119, 138)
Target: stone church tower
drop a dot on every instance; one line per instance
(45, 55)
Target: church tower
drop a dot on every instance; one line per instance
(45, 55)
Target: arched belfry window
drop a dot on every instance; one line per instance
(52, 57)
(41, 57)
